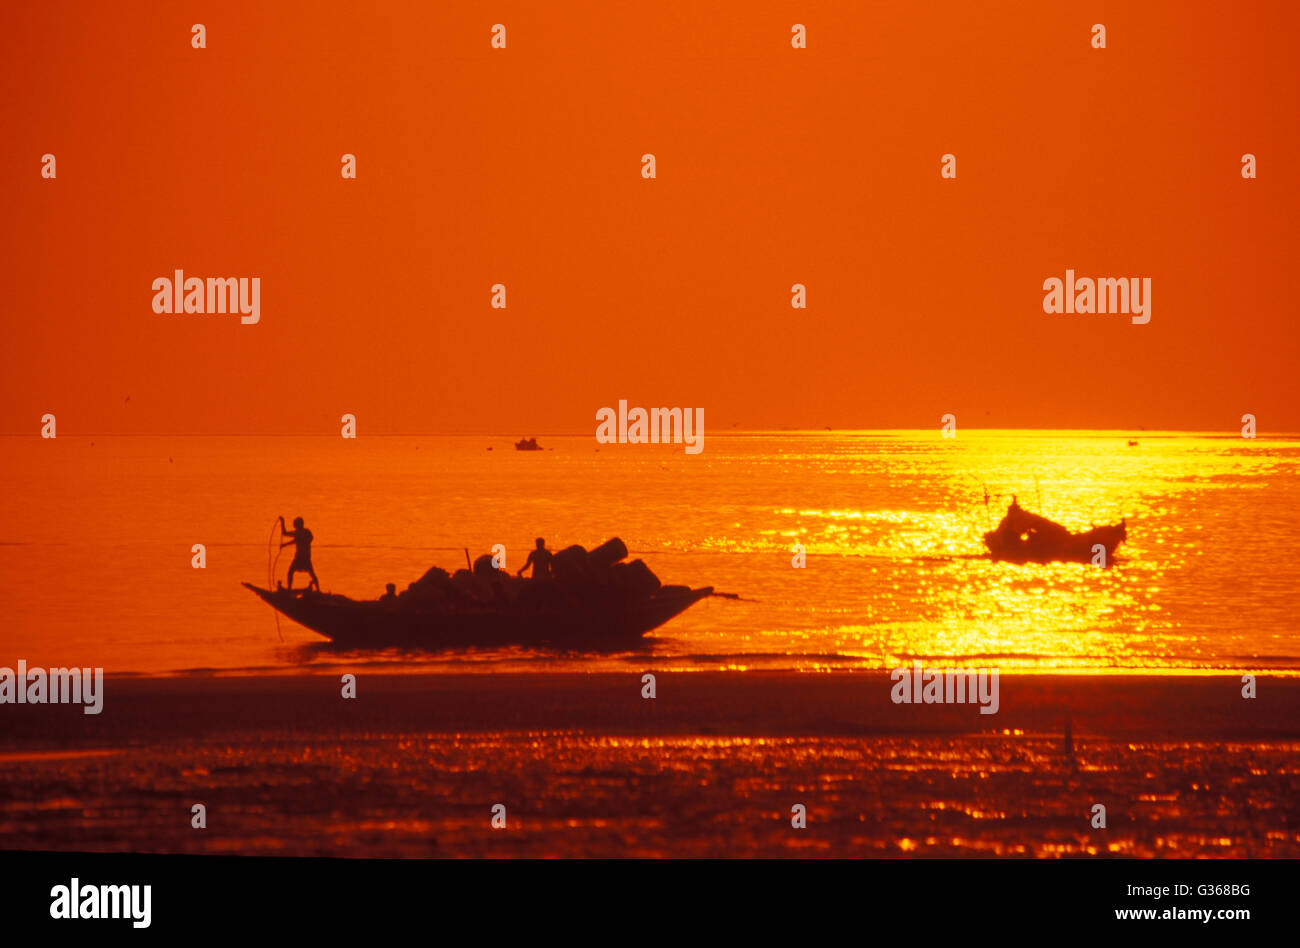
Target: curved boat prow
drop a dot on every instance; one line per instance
(265, 595)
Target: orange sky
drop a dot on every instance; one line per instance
(522, 166)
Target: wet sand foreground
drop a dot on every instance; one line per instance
(584, 765)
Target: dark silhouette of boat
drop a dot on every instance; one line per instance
(1023, 537)
(590, 602)
(527, 444)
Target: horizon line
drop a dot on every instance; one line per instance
(730, 431)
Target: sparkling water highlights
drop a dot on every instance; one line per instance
(95, 545)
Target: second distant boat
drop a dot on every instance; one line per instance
(1023, 537)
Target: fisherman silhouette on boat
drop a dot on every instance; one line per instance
(540, 560)
(301, 541)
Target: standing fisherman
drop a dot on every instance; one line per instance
(301, 541)
(540, 560)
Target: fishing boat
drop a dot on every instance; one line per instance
(1024, 537)
(527, 444)
(591, 602)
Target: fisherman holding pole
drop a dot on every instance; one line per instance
(300, 539)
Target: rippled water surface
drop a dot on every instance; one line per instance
(572, 794)
(96, 536)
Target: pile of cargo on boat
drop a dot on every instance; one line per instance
(591, 599)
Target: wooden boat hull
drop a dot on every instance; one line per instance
(608, 624)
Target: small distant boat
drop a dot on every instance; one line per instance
(1132, 444)
(527, 444)
(591, 602)
(1023, 537)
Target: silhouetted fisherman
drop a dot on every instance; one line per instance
(540, 560)
(301, 541)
